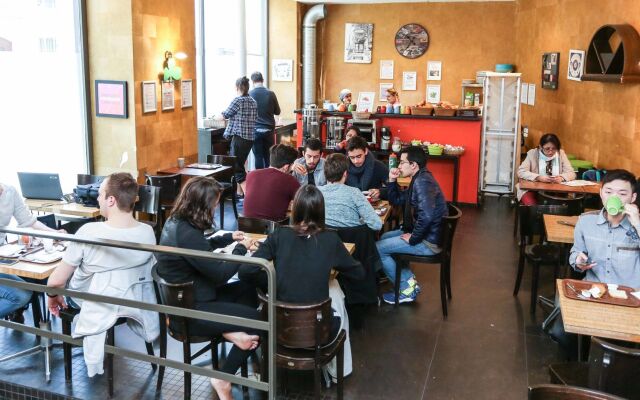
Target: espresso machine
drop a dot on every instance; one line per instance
(311, 123)
(335, 131)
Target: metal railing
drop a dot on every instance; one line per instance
(268, 326)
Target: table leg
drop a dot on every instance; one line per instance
(456, 169)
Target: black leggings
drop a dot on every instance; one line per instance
(237, 299)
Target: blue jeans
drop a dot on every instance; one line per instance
(390, 243)
(12, 299)
(262, 142)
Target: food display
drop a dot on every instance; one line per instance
(445, 109)
(601, 293)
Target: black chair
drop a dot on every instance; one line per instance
(170, 186)
(304, 339)
(258, 225)
(574, 202)
(561, 392)
(181, 295)
(149, 203)
(84, 179)
(66, 316)
(532, 224)
(449, 224)
(228, 181)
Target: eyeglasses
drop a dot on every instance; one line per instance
(404, 162)
(549, 149)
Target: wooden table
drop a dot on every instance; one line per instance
(557, 232)
(62, 207)
(26, 269)
(601, 320)
(558, 187)
(351, 247)
(191, 172)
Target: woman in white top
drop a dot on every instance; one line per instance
(12, 300)
(546, 163)
(393, 98)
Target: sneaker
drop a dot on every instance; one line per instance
(17, 316)
(390, 298)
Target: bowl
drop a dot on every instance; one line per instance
(435, 150)
(360, 115)
(505, 68)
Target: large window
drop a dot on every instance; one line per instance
(43, 123)
(233, 41)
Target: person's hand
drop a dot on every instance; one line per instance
(342, 145)
(582, 262)
(55, 304)
(374, 194)
(300, 169)
(253, 246)
(632, 213)
(557, 179)
(544, 178)
(394, 173)
(238, 236)
(248, 242)
(405, 237)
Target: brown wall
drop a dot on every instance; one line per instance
(163, 136)
(596, 121)
(466, 37)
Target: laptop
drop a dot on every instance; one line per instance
(36, 185)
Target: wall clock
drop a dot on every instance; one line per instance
(412, 40)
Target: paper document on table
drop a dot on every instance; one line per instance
(10, 250)
(44, 257)
(636, 294)
(579, 182)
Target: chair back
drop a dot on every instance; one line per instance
(174, 295)
(574, 202)
(148, 200)
(48, 220)
(301, 326)
(613, 368)
(563, 392)
(84, 179)
(227, 161)
(257, 225)
(531, 221)
(169, 186)
(449, 224)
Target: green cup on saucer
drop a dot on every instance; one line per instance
(614, 205)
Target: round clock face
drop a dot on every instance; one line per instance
(412, 40)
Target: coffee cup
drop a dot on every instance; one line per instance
(614, 205)
(181, 162)
(48, 245)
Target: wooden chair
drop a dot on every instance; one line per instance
(258, 225)
(84, 179)
(170, 186)
(228, 182)
(574, 202)
(614, 368)
(561, 392)
(304, 339)
(181, 295)
(531, 224)
(149, 203)
(449, 224)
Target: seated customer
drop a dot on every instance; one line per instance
(190, 217)
(424, 207)
(309, 169)
(269, 191)
(303, 255)
(109, 271)
(344, 205)
(546, 163)
(352, 131)
(365, 172)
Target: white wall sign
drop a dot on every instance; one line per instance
(149, 97)
(434, 70)
(433, 93)
(386, 69)
(282, 70)
(409, 80)
(186, 93)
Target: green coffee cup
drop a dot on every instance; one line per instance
(614, 205)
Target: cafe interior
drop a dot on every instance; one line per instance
(496, 256)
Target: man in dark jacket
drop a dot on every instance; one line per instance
(365, 172)
(420, 234)
(265, 124)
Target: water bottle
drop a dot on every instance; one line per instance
(393, 161)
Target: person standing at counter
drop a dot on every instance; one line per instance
(547, 163)
(345, 97)
(365, 172)
(309, 169)
(393, 98)
(242, 114)
(265, 124)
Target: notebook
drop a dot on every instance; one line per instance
(35, 185)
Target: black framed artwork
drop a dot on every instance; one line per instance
(550, 64)
(111, 99)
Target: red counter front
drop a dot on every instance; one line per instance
(457, 131)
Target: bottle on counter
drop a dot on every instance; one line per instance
(393, 160)
(397, 144)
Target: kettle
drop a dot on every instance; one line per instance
(385, 132)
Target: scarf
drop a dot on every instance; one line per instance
(361, 177)
(548, 166)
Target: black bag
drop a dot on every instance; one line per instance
(87, 194)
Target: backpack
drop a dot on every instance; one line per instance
(87, 194)
(594, 175)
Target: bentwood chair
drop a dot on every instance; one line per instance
(574, 202)
(561, 392)
(149, 203)
(169, 189)
(449, 224)
(84, 179)
(228, 181)
(258, 225)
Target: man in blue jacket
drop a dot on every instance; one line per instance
(424, 207)
(265, 124)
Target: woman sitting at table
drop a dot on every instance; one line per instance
(191, 215)
(303, 255)
(546, 163)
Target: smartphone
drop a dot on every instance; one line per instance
(8, 261)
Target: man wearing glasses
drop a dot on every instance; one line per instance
(365, 172)
(309, 169)
(424, 207)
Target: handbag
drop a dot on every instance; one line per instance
(87, 194)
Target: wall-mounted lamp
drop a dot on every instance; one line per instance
(171, 71)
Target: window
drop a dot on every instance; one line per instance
(43, 120)
(225, 50)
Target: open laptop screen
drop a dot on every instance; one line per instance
(40, 185)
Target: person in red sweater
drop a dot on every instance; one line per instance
(270, 190)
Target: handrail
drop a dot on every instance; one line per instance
(268, 325)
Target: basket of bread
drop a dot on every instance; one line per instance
(453, 150)
(361, 114)
(422, 108)
(445, 109)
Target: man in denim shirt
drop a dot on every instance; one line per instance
(309, 169)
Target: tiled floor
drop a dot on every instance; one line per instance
(488, 348)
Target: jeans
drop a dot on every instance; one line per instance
(12, 299)
(240, 148)
(263, 140)
(390, 243)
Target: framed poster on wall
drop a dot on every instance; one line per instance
(111, 99)
(550, 63)
(168, 100)
(149, 98)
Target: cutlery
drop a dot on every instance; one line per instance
(575, 291)
(566, 223)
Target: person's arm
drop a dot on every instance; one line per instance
(276, 105)
(70, 261)
(366, 212)
(344, 263)
(219, 241)
(525, 170)
(579, 253)
(22, 214)
(396, 196)
(424, 212)
(253, 273)
(217, 271)
(567, 173)
(233, 109)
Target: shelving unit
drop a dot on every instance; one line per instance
(474, 88)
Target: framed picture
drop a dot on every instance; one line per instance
(366, 101)
(575, 65)
(386, 69)
(149, 97)
(282, 70)
(550, 63)
(186, 93)
(383, 91)
(168, 100)
(111, 99)
(433, 93)
(358, 43)
(409, 80)
(434, 70)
